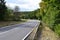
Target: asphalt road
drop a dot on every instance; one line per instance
(18, 31)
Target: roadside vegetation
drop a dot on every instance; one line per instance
(48, 13)
(7, 23)
(45, 33)
(9, 16)
(50, 10)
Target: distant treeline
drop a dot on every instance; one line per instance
(32, 14)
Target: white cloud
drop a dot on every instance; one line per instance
(26, 4)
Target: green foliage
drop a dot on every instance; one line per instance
(3, 9)
(6, 13)
(9, 14)
(50, 11)
(16, 14)
(57, 29)
(32, 14)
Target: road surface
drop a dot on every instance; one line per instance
(18, 31)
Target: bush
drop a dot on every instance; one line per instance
(57, 29)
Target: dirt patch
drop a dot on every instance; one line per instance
(45, 33)
(48, 34)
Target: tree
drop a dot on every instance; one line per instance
(16, 9)
(3, 9)
(50, 10)
(16, 13)
(9, 14)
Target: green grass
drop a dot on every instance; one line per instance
(6, 23)
(57, 29)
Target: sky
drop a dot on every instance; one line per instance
(24, 5)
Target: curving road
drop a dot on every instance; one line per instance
(18, 31)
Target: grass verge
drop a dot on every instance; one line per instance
(45, 33)
(6, 23)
